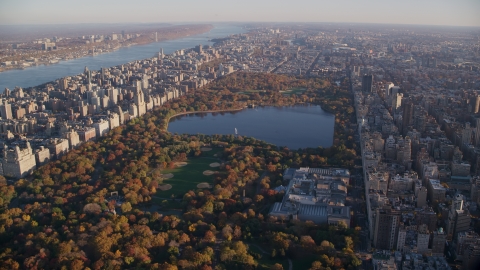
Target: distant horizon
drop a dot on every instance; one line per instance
(166, 24)
(408, 12)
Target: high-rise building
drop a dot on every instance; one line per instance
(464, 240)
(458, 218)
(427, 217)
(64, 84)
(475, 103)
(88, 75)
(471, 257)
(477, 132)
(112, 96)
(367, 83)
(423, 238)
(396, 102)
(388, 90)
(466, 134)
(138, 85)
(6, 110)
(73, 138)
(438, 242)
(407, 119)
(199, 49)
(420, 122)
(421, 194)
(103, 75)
(120, 113)
(462, 222)
(387, 222)
(356, 71)
(402, 234)
(18, 162)
(140, 103)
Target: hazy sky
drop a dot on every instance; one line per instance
(435, 12)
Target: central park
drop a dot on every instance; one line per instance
(221, 186)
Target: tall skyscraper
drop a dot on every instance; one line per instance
(367, 83)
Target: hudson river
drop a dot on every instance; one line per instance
(34, 76)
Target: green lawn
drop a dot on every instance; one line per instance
(296, 91)
(187, 177)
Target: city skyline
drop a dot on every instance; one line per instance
(428, 12)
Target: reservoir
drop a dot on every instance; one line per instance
(294, 127)
(34, 76)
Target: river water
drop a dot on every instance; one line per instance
(294, 127)
(34, 76)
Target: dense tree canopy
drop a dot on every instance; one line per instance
(65, 215)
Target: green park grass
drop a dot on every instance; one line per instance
(296, 91)
(187, 178)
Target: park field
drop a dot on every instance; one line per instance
(296, 91)
(187, 177)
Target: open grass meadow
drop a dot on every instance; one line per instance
(296, 91)
(186, 178)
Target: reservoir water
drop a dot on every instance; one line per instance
(294, 127)
(34, 76)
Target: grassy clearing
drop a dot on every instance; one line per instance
(296, 91)
(187, 177)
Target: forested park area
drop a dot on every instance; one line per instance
(102, 205)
